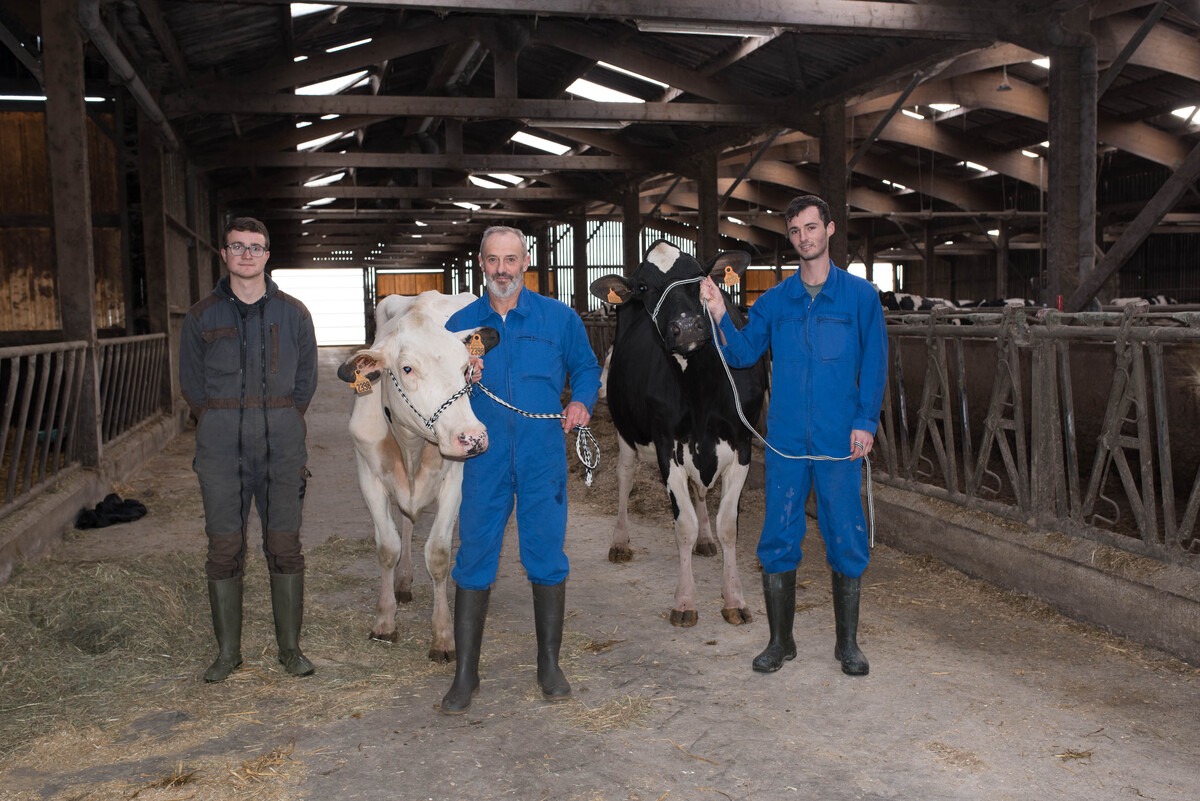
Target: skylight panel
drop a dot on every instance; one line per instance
(944, 107)
(326, 180)
(912, 114)
(462, 204)
(537, 142)
(506, 178)
(1184, 113)
(1044, 63)
(631, 74)
(333, 86)
(304, 9)
(601, 94)
(348, 45)
(486, 184)
(313, 144)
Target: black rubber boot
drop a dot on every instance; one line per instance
(779, 591)
(225, 598)
(846, 593)
(470, 613)
(549, 605)
(287, 601)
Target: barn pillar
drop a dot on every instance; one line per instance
(928, 253)
(833, 178)
(67, 152)
(708, 237)
(541, 251)
(579, 258)
(164, 281)
(631, 229)
(1002, 260)
(1072, 159)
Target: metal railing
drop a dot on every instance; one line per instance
(39, 405)
(1060, 421)
(131, 370)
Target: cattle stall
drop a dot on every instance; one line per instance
(40, 401)
(1073, 423)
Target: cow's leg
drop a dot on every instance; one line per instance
(403, 574)
(437, 561)
(705, 544)
(619, 550)
(735, 610)
(686, 525)
(387, 550)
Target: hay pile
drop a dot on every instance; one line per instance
(89, 653)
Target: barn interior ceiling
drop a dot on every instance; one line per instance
(395, 131)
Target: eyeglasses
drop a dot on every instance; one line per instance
(236, 249)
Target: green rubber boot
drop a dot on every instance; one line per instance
(225, 598)
(287, 601)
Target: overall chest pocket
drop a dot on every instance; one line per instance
(833, 335)
(789, 340)
(222, 354)
(538, 359)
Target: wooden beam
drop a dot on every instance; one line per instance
(480, 108)
(827, 16)
(473, 162)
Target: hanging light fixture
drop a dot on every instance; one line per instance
(1004, 84)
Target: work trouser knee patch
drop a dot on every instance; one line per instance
(226, 556)
(284, 554)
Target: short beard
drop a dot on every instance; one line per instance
(514, 286)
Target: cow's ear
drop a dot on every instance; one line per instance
(479, 340)
(368, 363)
(612, 289)
(728, 268)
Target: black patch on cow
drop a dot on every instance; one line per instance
(387, 413)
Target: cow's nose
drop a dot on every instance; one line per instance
(473, 444)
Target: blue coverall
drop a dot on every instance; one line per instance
(542, 341)
(829, 357)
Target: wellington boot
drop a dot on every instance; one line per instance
(225, 598)
(779, 592)
(470, 613)
(287, 601)
(846, 594)
(549, 603)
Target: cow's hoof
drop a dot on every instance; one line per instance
(705, 548)
(392, 637)
(685, 618)
(403, 596)
(620, 553)
(736, 617)
(441, 655)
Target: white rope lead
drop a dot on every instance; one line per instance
(737, 403)
(586, 446)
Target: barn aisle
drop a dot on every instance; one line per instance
(974, 694)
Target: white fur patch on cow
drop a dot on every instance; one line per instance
(663, 256)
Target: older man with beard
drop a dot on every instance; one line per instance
(542, 343)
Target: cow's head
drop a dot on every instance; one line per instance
(667, 285)
(418, 366)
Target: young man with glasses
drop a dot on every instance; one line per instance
(248, 370)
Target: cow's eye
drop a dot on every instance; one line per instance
(407, 369)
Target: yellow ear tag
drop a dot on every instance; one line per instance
(475, 346)
(613, 297)
(731, 276)
(361, 384)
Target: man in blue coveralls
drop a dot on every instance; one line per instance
(542, 342)
(828, 345)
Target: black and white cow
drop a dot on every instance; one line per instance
(903, 301)
(671, 403)
(1153, 300)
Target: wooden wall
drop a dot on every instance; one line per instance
(29, 298)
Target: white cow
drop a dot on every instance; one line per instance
(410, 444)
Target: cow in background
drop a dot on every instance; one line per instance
(671, 403)
(1153, 300)
(409, 446)
(903, 301)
